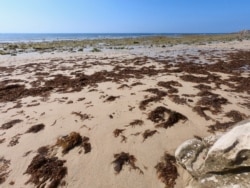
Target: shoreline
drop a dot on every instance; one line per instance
(14, 48)
(114, 114)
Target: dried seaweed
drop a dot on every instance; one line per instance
(82, 116)
(236, 115)
(220, 126)
(148, 133)
(4, 166)
(70, 141)
(174, 117)
(200, 110)
(177, 99)
(158, 114)
(36, 128)
(213, 101)
(122, 159)
(10, 124)
(14, 140)
(46, 170)
(111, 98)
(159, 95)
(135, 122)
(117, 132)
(167, 171)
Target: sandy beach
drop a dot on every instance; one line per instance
(113, 118)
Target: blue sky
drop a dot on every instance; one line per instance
(124, 16)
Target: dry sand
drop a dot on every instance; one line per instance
(95, 94)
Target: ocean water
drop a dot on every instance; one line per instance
(39, 37)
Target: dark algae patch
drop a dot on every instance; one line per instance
(4, 172)
(73, 140)
(122, 159)
(158, 116)
(70, 141)
(46, 171)
(10, 124)
(36, 128)
(167, 171)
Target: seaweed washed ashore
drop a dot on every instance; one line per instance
(115, 113)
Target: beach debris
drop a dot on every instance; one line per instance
(236, 115)
(136, 84)
(86, 145)
(135, 123)
(158, 114)
(200, 110)
(122, 159)
(148, 133)
(123, 86)
(14, 140)
(81, 99)
(27, 153)
(167, 171)
(36, 128)
(82, 116)
(203, 87)
(220, 126)
(10, 124)
(111, 98)
(124, 139)
(159, 96)
(169, 85)
(43, 150)
(4, 166)
(117, 132)
(73, 140)
(46, 171)
(70, 141)
(53, 123)
(2, 140)
(213, 101)
(136, 134)
(177, 99)
(174, 117)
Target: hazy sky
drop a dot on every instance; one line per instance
(123, 16)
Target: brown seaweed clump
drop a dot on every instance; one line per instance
(158, 96)
(82, 116)
(46, 169)
(174, 117)
(122, 159)
(148, 133)
(117, 132)
(201, 111)
(36, 128)
(4, 166)
(10, 124)
(135, 122)
(86, 145)
(167, 170)
(212, 101)
(111, 98)
(220, 126)
(235, 115)
(158, 114)
(169, 85)
(70, 141)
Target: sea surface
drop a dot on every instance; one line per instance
(40, 37)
